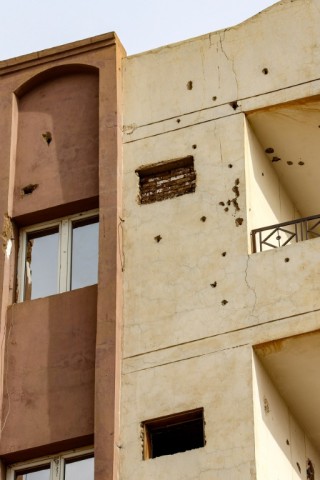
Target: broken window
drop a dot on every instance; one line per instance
(58, 256)
(173, 434)
(70, 466)
(166, 180)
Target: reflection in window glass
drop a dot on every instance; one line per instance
(41, 274)
(39, 474)
(80, 469)
(84, 262)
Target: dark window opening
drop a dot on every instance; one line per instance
(165, 180)
(173, 434)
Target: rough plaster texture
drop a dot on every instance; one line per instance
(197, 292)
(281, 445)
(69, 163)
(49, 371)
(195, 302)
(100, 138)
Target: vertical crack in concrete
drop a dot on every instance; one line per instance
(250, 287)
(221, 40)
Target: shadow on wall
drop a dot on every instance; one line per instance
(57, 139)
(283, 449)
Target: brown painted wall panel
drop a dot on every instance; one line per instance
(49, 376)
(57, 146)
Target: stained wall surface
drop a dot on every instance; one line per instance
(54, 398)
(55, 150)
(193, 294)
(49, 379)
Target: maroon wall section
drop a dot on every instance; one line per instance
(62, 354)
(65, 110)
(49, 370)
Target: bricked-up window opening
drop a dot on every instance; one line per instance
(164, 180)
(74, 465)
(58, 256)
(173, 434)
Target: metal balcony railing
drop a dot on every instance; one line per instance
(275, 236)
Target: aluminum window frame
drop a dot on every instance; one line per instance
(55, 462)
(64, 225)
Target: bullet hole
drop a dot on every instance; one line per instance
(229, 202)
(178, 120)
(158, 238)
(310, 470)
(29, 189)
(262, 174)
(47, 137)
(238, 221)
(287, 260)
(234, 105)
(230, 165)
(237, 181)
(287, 442)
(289, 162)
(189, 85)
(221, 203)
(203, 219)
(235, 190)
(194, 146)
(266, 405)
(213, 285)
(300, 163)
(226, 209)
(265, 71)
(269, 150)
(275, 159)
(235, 204)
(224, 302)
(224, 254)
(299, 468)
(214, 98)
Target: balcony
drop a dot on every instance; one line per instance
(286, 233)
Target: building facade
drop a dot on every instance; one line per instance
(159, 298)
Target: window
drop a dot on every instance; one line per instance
(76, 465)
(173, 434)
(58, 256)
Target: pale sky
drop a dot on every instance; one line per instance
(31, 25)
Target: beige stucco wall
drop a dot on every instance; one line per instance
(196, 302)
(281, 444)
(267, 201)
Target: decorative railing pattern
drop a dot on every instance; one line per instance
(275, 236)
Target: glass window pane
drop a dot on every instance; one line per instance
(84, 262)
(80, 469)
(42, 473)
(41, 271)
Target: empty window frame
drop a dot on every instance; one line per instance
(173, 434)
(164, 180)
(75, 465)
(58, 256)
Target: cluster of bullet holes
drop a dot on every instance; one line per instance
(233, 201)
(276, 159)
(266, 405)
(309, 469)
